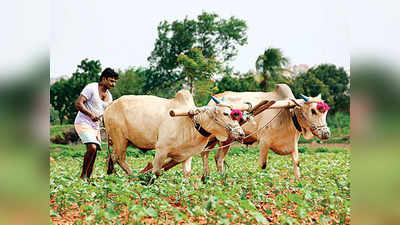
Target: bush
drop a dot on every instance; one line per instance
(304, 149)
(339, 123)
(64, 135)
(321, 149)
(54, 116)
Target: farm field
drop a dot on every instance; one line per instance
(244, 194)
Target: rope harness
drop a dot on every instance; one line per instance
(205, 133)
(297, 110)
(313, 127)
(269, 122)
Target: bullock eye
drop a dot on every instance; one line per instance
(313, 112)
(226, 114)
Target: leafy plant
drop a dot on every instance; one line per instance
(243, 194)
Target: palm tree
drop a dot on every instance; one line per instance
(270, 65)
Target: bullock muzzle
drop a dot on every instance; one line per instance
(237, 133)
(323, 133)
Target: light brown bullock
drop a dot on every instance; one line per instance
(175, 128)
(281, 135)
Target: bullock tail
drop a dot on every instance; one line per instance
(110, 163)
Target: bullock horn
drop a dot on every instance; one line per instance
(305, 98)
(215, 100)
(177, 112)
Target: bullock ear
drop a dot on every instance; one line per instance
(318, 97)
(178, 112)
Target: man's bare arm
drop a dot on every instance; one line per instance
(80, 105)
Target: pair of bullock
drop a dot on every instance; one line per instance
(178, 130)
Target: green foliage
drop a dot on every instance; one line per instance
(130, 82)
(56, 130)
(54, 116)
(271, 65)
(304, 149)
(330, 81)
(244, 194)
(204, 88)
(216, 38)
(339, 123)
(238, 82)
(63, 93)
(308, 84)
(195, 67)
(322, 149)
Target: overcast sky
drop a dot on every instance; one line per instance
(122, 34)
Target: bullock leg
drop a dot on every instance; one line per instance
(158, 161)
(147, 168)
(296, 164)
(124, 165)
(119, 150)
(264, 148)
(187, 167)
(220, 156)
(204, 156)
(168, 165)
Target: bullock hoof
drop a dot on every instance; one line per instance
(109, 172)
(264, 166)
(204, 179)
(147, 178)
(148, 182)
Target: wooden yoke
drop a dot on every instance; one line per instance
(178, 112)
(174, 113)
(260, 107)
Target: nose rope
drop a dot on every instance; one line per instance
(222, 124)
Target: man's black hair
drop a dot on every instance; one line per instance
(108, 72)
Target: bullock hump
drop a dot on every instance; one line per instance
(283, 91)
(183, 97)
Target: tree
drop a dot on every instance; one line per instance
(329, 81)
(196, 67)
(216, 38)
(130, 82)
(63, 93)
(88, 71)
(238, 82)
(338, 82)
(270, 65)
(204, 88)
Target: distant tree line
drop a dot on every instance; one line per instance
(193, 54)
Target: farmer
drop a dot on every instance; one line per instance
(91, 104)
